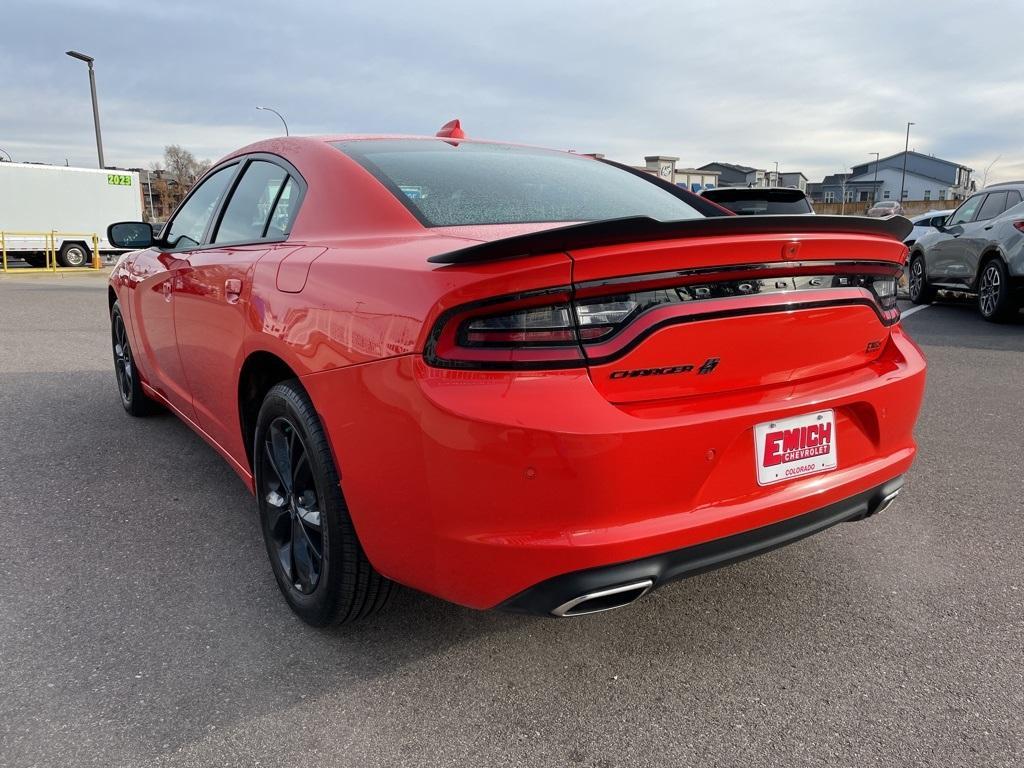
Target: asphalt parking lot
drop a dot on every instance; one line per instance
(140, 623)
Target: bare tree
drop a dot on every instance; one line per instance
(984, 178)
(183, 166)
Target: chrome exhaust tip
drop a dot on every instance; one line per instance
(604, 599)
(886, 502)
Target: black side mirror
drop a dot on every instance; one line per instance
(130, 234)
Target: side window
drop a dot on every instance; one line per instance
(966, 211)
(187, 227)
(284, 212)
(1012, 198)
(247, 212)
(994, 204)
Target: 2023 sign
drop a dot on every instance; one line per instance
(119, 180)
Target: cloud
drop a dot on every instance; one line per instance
(815, 87)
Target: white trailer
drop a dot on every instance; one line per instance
(73, 203)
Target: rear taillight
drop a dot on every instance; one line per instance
(884, 289)
(1019, 225)
(531, 330)
(540, 326)
(564, 328)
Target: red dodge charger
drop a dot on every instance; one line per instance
(514, 377)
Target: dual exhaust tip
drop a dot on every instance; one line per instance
(604, 599)
(610, 598)
(886, 502)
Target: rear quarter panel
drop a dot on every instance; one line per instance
(367, 300)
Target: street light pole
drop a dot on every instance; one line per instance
(268, 109)
(776, 173)
(95, 104)
(874, 184)
(903, 178)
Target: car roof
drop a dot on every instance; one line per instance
(269, 145)
(1003, 185)
(753, 191)
(930, 214)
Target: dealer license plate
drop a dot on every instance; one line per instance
(795, 447)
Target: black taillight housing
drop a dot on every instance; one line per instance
(566, 327)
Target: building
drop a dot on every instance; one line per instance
(794, 180)
(837, 187)
(161, 194)
(927, 178)
(693, 179)
(662, 166)
(732, 175)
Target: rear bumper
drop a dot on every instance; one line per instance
(476, 486)
(546, 598)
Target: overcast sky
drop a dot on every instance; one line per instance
(814, 86)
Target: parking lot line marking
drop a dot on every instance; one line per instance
(912, 310)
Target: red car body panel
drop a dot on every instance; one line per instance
(473, 485)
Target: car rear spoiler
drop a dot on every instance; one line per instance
(638, 229)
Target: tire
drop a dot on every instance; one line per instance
(314, 552)
(918, 289)
(73, 255)
(134, 400)
(995, 299)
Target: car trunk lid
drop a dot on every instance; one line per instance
(697, 316)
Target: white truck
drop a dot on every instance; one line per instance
(73, 203)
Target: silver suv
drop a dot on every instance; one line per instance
(980, 250)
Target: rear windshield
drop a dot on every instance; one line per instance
(460, 183)
(760, 202)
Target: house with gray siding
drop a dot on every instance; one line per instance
(732, 175)
(794, 179)
(927, 178)
(837, 187)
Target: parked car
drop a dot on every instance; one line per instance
(760, 201)
(513, 377)
(924, 224)
(979, 250)
(886, 208)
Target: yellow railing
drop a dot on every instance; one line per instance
(50, 248)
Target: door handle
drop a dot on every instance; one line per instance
(989, 227)
(232, 290)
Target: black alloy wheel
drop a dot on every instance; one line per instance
(318, 562)
(133, 399)
(294, 524)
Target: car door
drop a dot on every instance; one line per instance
(155, 273)
(976, 237)
(213, 295)
(945, 250)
